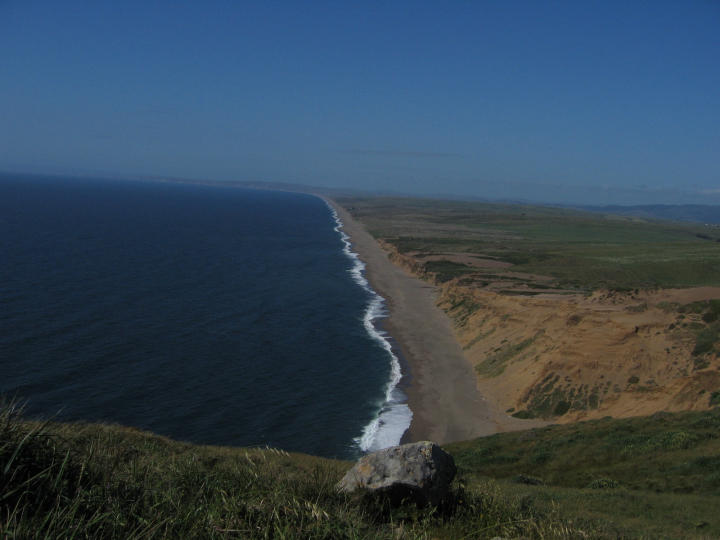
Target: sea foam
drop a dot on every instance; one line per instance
(393, 415)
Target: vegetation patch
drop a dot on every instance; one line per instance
(670, 453)
(671, 440)
(561, 408)
(494, 364)
(478, 338)
(671, 489)
(528, 480)
(637, 308)
(706, 339)
(581, 251)
(668, 307)
(552, 397)
(604, 483)
(706, 328)
(710, 309)
(574, 320)
(96, 481)
(445, 270)
(461, 307)
(713, 312)
(715, 398)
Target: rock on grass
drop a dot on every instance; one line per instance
(420, 472)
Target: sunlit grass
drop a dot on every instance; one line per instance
(646, 477)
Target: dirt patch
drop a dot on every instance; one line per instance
(684, 296)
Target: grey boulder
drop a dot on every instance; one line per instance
(420, 472)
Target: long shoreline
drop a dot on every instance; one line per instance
(393, 418)
(442, 395)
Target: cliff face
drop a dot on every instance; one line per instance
(582, 357)
(406, 262)
(573, 357)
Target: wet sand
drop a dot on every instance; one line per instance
(442, 393)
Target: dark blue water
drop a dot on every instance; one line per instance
(216, 315)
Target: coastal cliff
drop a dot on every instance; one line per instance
(581, 356)
(565, 315)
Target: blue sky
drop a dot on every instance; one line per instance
(598, 102)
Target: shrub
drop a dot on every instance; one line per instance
(561, 408)
(705, 341)
(715, 398)
(541, 456)
(700, 363)
(604, 483)
(528, 480)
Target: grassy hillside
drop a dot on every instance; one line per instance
(663, 453)
(659, 475)
(578, 250)
(653, 477)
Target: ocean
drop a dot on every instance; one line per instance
(210, 314)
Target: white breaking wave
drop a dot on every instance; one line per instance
(393, 416)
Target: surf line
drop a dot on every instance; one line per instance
(394, 416)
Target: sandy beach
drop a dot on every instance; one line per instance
(442, 393)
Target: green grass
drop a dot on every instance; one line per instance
(578, 250)
(447, 270)
(624, 513)
(706, 327)
(707, 339)
(654, 477)
(99, 481)
(665, 453)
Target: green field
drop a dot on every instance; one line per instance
(578, 250)
(655, 477)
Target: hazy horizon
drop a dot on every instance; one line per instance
(591, 103)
